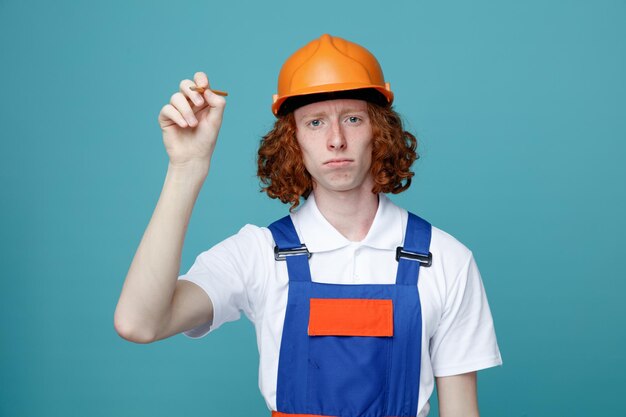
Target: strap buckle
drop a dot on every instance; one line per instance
(282, 254)
(425, 260)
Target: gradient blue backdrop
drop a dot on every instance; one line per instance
(520, 110)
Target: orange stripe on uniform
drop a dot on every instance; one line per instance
(350, 317)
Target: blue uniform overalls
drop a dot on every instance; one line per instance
(351, 350)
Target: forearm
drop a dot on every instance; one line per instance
(458, 395)
(147, 294)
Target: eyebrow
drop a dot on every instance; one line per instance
(319, 114)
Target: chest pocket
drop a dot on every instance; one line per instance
(350, 317)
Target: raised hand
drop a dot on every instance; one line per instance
(191, 122)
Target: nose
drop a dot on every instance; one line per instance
(337, 138)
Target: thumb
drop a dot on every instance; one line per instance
(216, 103)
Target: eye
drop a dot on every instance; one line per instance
(315, 123)
(354, 119)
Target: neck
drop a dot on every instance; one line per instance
(351, 213)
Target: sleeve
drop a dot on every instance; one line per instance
(231, 273)
(465, 340)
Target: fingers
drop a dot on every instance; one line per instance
(201, 79)
(169, 113)
(195, 97)
(212, 99)
(179, 101)
(180, 110)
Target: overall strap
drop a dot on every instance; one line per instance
(415, 252)
(288, 248)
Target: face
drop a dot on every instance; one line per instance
(336, 141)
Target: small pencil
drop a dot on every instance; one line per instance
(203, 89)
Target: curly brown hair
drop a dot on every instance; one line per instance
(283, 175)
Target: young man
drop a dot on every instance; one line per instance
(359, 306)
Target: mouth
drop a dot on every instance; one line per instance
(338, 162)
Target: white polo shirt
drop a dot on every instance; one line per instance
(240, 274)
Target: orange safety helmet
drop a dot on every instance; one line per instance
(329, 65)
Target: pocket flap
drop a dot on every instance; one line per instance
(350, 317)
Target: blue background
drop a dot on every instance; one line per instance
(520, 111)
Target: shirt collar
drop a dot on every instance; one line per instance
(319, 235)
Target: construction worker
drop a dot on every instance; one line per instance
(359, 306)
